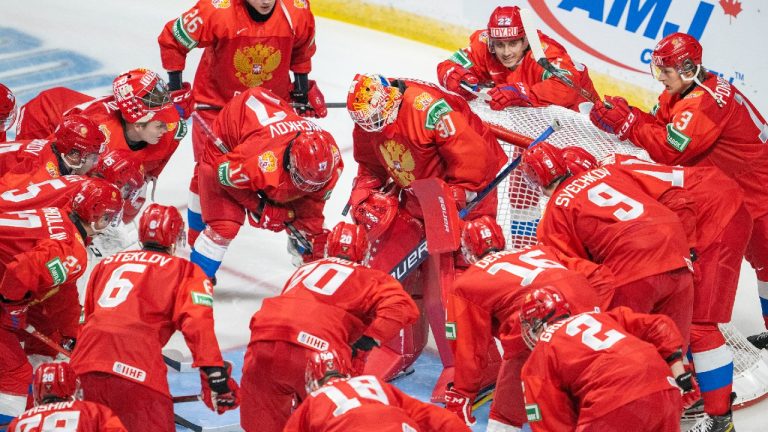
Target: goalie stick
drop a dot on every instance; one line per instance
(220, 145)
(532, 34)
(419, 254)
(204, 107)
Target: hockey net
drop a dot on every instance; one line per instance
(520, 209)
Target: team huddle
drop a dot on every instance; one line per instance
(609, 322)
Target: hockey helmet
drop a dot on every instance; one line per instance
(505, 24)
(541, 307)
(143, 96)
(543, 165)
(479, 237)
(323, 366)
(678, 50)
(161, 226)
(373, 102)
(79, 140)
(577, 160)
(120, 169)
(348, 241)
(53, 381)
(98, 203)
(313, 157)
(8, 108)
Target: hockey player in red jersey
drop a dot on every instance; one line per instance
(484, 304)
(274, 167)
(607, 218)
(58, 405)
(8, 110)
(42, 254)
(338, 402)
(335, 303)
(702, 120)
(40, 115)
(499, 56)
(134, 302)
(597, 372)
(74, 149)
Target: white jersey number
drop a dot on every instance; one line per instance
(366, 387)
(526, 274)
(589, 333)
(762, 127)
(60, 421)
(323, 278)
(118, 287)
(262, 115)
(605, 196)
(33, 190)
(26, 219)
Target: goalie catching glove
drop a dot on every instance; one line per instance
(459, 404)
(220, 390)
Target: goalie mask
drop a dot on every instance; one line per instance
(543, 165)
(322, 367)
(162, 226)
(350, 242)
(120, 169)
(541, 307)
(142, 96)
(577, 160)
(54, 382)
(373, 102)
(313, 157)
(480, 237)
(79, 141)
(98, 204)
(8, 108)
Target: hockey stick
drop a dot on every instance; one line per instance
(204, 107)
(486, 395)
(187, 398)
(419, 254)
(220, 145)
(534, 41)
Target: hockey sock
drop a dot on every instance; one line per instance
(209, 251)
(713, 362)
(194, 218)
(762, 290)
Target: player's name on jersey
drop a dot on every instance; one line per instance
(51, 407)
(144, 257)
(53, 220)
(282, 128)
(570, 191)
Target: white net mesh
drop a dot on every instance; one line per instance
(520, 209)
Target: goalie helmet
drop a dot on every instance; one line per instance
(79, 139)
(322, 366)
(161, 226)
(479, 237)
(313, 157)
(373, 102)
(8, 108)
(577, 160)
(98, 203)
(505, 24)
(678, 50)
(142, 96)
(120, 169)
(376, 213)
(348, 241)
(55, 381)
(541, 307)
(543, 165)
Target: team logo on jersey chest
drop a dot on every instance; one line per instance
(400, 162)
(422, 101)
(221, 4)
(254, 65)
(52, 169)
(268, 162)
(301, 4)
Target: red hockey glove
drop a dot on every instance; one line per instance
(270, 216)
(506, 95)
(318, 246)
(183, 101)
(460, 195)
(689, 389)
(617, 120)
(220, 391)
(13, 314)
(455, 76)
(309, 103)
(362, 187)
(459, 404)
(361, 349)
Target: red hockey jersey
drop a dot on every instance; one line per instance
(330, 303)
(55, 192)
(545, 90)
(695, 131)
(239, 51)
(25, 162)
(134, 302)
(486, 301)
(39, 117)
(367, 403)
(587, 365)
(608, 219)
(75, 416)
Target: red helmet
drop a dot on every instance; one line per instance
(140, 95)
(373, 102)
(79, 136)
(543, 164)
(322, 366)
(541, 307)
(577, 160)
(121, 169)
(479, 237)
(678, 50)
(162, 226)
(55, 380)
(505, 24)
(376, 213)
(313, 157)
(8, 108)
(348, 241)
(98, 203)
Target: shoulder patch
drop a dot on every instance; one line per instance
(655, 109)
(268, 162)
(221, 4)
(327, 195)
(460, 58)
(301, 4)
(532, 412)
(182, 36)
(678, 140)
(202, 299)
(422, 101)
(181, 130)
(484, 36)
(450, 330)
(223, 172)
(57, 270)
(437, 110)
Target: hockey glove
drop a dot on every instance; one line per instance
(455, 76)
(459, 404)
(362, 187)
(617, 120)
(220, 391)
(318, 246)
(270, 216)
(361, 349)
(689, 389)
(506, 95)
(308, 102)
(183, 101)
(13, 314)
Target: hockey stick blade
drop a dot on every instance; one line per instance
(47, 341)
(187, 398)
(480, 95)
(174, 359)
(484, 396)
(420, 253)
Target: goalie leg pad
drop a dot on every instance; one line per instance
(713, 362)
(211, 246)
